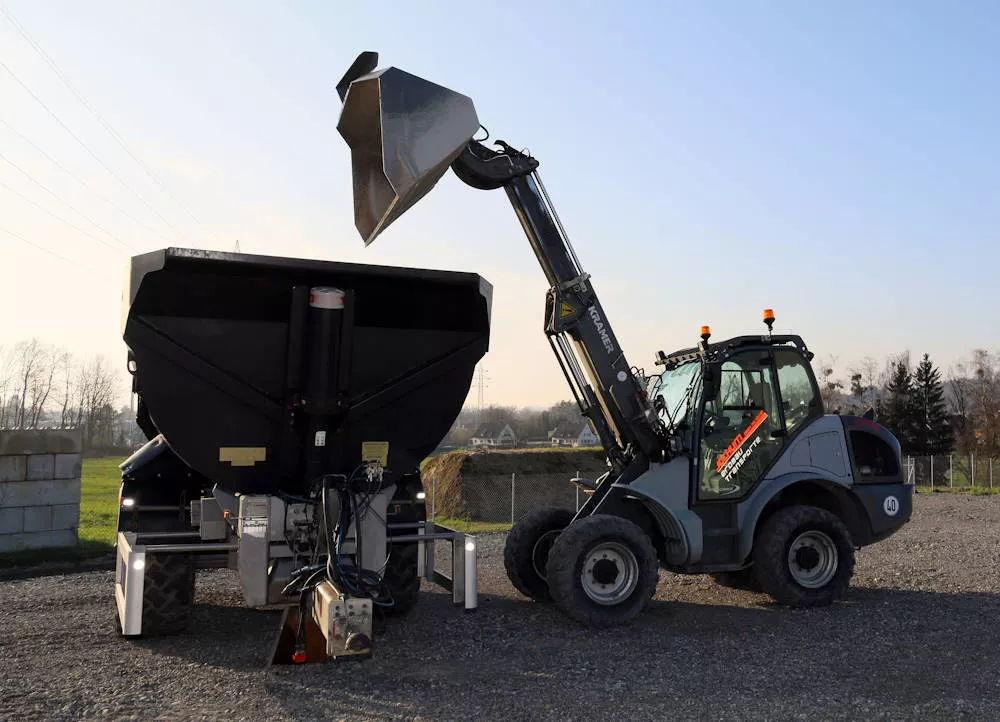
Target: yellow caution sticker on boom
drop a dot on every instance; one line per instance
(565, 310)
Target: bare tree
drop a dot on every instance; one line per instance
(6, 387)
(64, 362)
(97, 392)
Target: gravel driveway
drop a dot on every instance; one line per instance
(917, 638)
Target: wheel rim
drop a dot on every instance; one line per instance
(540, 552)
(813, 559)
(610, 573)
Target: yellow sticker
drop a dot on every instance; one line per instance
(242, 455)
(566, 310)
(375, 451)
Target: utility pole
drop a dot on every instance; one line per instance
(482, 382)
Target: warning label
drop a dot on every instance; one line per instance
(377, 451)
(735, 455)
(565, 310)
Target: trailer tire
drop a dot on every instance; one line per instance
(743, 579)
(526, 551)
(402, 579)
(167, 594)
(804, 557)
(602, 571)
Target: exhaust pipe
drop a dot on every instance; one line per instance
(404, 133)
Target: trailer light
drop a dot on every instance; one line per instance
(139, 564)
(127, 503)
(470, 546)
(421, 495)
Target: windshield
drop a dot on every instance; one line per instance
(673, 389)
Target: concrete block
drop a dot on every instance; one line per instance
(11, 520)
(39, 493)
(13, 468)
(65, 516)
(38, 540)
(47, 441)
(37, 518)
(68, 466)
(41, 466)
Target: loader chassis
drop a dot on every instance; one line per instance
(724, 462)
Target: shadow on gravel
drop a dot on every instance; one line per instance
(517, 659)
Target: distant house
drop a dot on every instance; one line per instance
(582, 435)
(494, 435)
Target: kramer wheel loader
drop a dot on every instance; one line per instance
(723, 462)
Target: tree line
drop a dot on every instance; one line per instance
(43, 386)
(928, 412)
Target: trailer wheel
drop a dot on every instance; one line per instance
(526, 552)
(804, 557)
(743, 579)
(167, 594)
(402, 578)
(602, 570)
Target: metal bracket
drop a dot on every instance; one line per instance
(463, 583)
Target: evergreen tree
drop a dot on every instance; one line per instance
(933, 433)
(899, 408)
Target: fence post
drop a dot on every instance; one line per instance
(434, 501)
(951, 471)
(991, 472)
(512, 498)
(973, 457)
(577, 491)
(932, 472)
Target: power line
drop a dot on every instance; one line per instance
(104, 123)
(82, 144)
(83, 183)
(21, 238)
(59, 218)
(66, 203)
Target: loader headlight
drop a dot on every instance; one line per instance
(127, 503)
(421, 495)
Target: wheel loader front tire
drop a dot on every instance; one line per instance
(804, 557)
(602, 571)
(526, 552)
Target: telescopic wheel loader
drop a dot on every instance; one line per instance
(723, 462)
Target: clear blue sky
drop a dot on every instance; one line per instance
(835, 161)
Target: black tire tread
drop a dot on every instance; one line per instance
(167, 594)
(402, 579)
(520, 545)
(566, 558)
(770, 556)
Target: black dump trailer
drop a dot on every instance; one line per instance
(286, 401)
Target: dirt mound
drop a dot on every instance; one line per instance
(478, 485)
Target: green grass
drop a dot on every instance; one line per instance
(974, 490)
(98, 519)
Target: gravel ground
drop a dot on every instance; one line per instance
(917, 637)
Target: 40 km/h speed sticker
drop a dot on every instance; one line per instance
(891, 505)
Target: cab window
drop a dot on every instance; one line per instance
(738, 442)
(800, 401)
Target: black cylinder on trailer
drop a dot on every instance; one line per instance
(323, 399)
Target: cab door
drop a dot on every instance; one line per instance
(742, 428)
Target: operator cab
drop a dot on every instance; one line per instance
(734, 405)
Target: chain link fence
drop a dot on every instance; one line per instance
(952, 471)
(502, 499)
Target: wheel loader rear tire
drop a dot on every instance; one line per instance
(804, 557)
(602, 571)
(402, 578)
(167, 594)
(526, 552)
